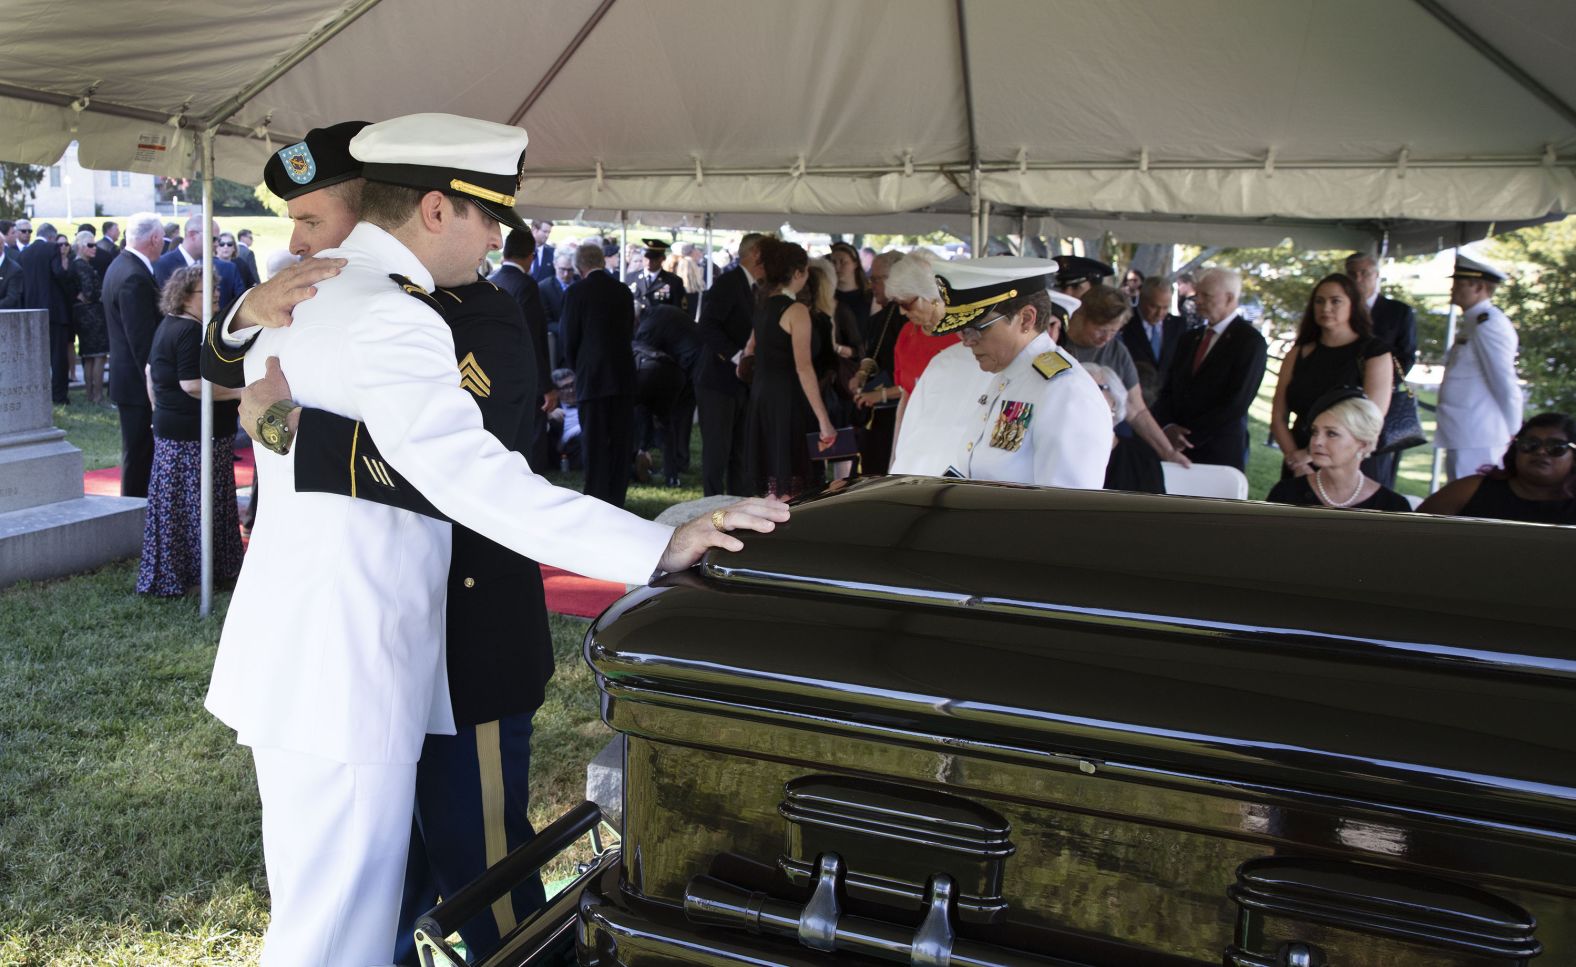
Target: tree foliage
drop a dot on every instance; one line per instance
(16, 187)
(1540, 299)
(229, 197)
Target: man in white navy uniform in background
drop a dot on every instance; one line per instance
(1026, 412)
(331, 664)
(1479, 398)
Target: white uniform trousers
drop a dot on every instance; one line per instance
(1465, 461)
(335, 839)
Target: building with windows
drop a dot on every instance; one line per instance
(79, 194)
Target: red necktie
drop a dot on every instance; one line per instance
(1203, 347)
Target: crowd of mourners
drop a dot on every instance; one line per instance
(804, 368)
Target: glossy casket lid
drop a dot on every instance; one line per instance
(1385, 655)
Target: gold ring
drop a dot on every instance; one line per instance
(716, 519)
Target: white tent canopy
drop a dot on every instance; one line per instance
(1235, 111)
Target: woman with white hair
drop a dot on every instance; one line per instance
(1344, 427)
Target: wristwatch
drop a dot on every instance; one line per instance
(273, 427)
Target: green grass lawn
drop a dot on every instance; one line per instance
(129, 820)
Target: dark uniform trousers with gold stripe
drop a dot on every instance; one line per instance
(472, 788)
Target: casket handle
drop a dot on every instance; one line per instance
(821, 925)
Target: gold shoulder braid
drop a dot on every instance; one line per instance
(1051, 363)
(413, 289)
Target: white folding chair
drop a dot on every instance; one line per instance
(1205, 480)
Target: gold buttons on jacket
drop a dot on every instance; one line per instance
(470, 582)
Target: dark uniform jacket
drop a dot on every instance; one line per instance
(726, 315)
(662, 289)
(500, 653)
(598, 327)
(1213, 403)
(667, 330)
(131, 313)
(1395, 325)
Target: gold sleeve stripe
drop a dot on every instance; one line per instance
(213, 343)
(354, 439)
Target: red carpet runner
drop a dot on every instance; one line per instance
(567, 593)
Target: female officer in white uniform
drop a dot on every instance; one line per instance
(1005, 404)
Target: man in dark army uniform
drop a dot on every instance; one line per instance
(667, 352)
(499, 649)
(653, 286)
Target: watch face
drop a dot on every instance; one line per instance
(270, 435)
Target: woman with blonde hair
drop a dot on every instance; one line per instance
(1343, 428)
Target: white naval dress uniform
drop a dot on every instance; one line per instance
(1020, 426)
(331, 662)
(1479, 398)
(935, 418)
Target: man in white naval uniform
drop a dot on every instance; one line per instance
(1479, 399)
(331, 664)
(1006, 403)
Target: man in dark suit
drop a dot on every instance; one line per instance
(652, 285)
(1151, 336)
(16, 235)
(47, 283)
(189, 252)
(553, 288)
(106, 248)
(244, 253)
(11, 284)
(726, 315)
(1396, 326)
(542, 259)
(667, 351)
(131, 311)
(1214, 377)
(599, 327)
(513, 276)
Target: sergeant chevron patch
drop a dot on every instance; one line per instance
(379, 471)
(473, 378)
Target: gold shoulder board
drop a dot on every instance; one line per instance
(1049, 363)
(412, 289)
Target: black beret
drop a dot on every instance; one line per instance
(1076, 268)
(321, 159)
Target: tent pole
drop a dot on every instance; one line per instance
(205, 426)
(1023, 233)
(974, 213)
(700, 298)
(1450, 340)
(623, 243)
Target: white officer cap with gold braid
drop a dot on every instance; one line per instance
(1473, 269)
(481, 161)
(970, 287)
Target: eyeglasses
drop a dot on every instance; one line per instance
(24, 231)
(1552, 446)
(227, 245)
(975, 331)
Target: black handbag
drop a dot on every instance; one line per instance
(1402, 429)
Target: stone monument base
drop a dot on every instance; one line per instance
(69, 536)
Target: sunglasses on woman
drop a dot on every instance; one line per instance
(1551, 446)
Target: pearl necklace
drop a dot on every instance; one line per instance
(1318, 482)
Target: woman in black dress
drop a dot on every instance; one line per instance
(1537, 484)
(172, 533)
(785, 395)
(1343, 428)
(1335, 347)
(87, 315)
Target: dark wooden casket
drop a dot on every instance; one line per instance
(945, 722)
